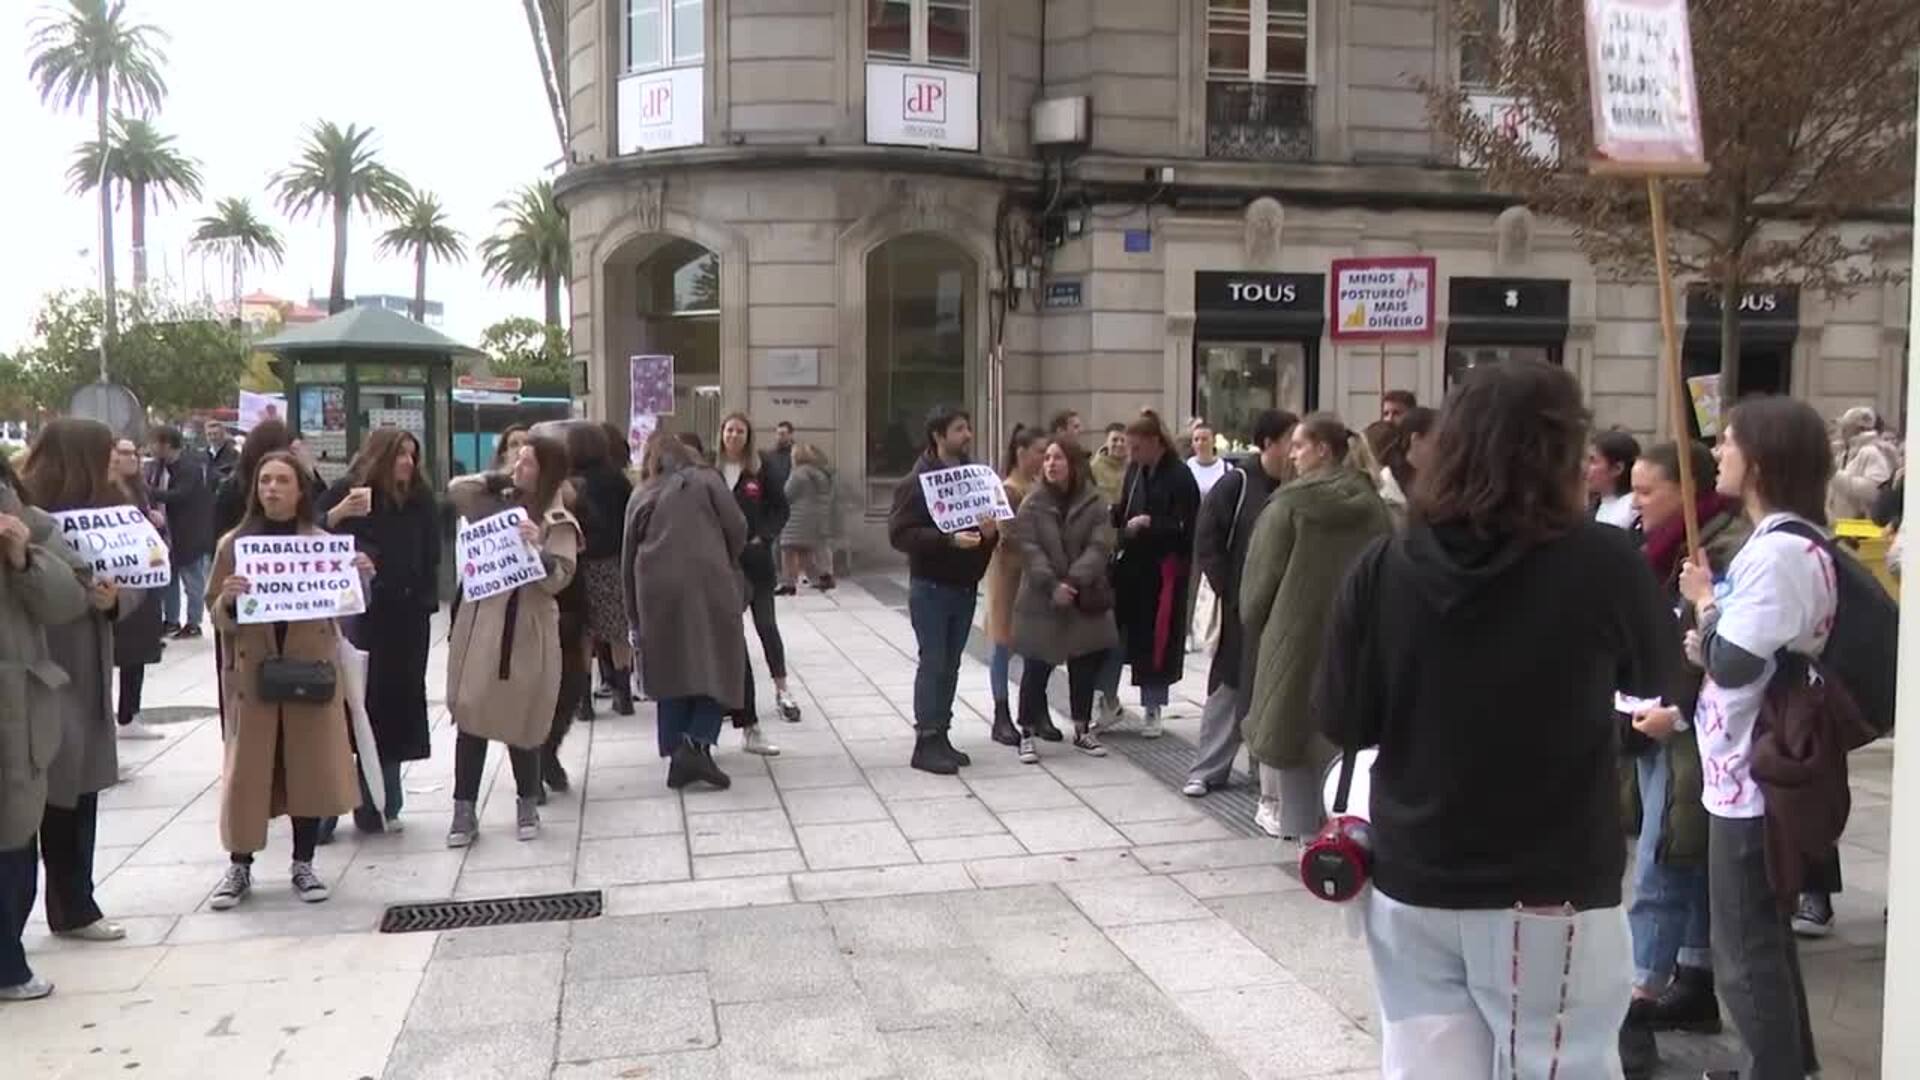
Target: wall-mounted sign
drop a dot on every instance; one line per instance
(1646, 111)
(790, 367)
(1136, 241)
(1769, 315)
(660, 110)
(916, 106)
(1383, 299)
(1245, 302)
(1508, 118)
(1062, 293)
(1507, 311)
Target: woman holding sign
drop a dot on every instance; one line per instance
(287, 750)
(68, 468)
(136, 638)
(504, 663)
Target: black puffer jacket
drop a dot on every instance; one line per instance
(765, 507)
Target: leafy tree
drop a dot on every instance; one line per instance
(535, 351)
(531, 245)
(174, 357)
(145, 162)
(86, 53)
(1807, 112)
(245, 240)
(338, 171)
(423, 232)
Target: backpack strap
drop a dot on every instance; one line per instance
(1366, 572)
(1239, 503)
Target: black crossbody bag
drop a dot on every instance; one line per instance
(284, 681)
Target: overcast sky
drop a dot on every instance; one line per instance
(451, 88)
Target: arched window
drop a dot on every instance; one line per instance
(920, 340)
(669, 290)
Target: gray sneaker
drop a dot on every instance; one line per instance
(466, 824)
(33, 989)
(527, 816)
(234, 885)
(307, 884)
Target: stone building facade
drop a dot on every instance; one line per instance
(836, 212)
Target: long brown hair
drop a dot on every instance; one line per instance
(749, 457)
(500, 446)
(1506, 459)
(256, 518)
(1789, 459)
(373, 466)
(1149, 426)
(267, 437)
(1079, 467)
(70, 466)
(619, 450)
(550, 455)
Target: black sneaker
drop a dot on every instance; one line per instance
(1814, 919)
(1004, 732)
(932, 755)
(825, 583)
(1687, 1004)
(693, 763)
(1639, 1054)
(368, 821)
(1046, 729)
(552, 773)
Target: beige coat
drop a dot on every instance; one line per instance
(295, 760)
(1003, 576)
(46, 593)
(503, 663)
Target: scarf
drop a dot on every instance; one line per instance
(1667, 543)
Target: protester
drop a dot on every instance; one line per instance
(178, 482)
(504, 658)
(1222, 532)
(1609, 477)
(1066, 422)
(1480, 651)
(806, 541)
(765, 508)
(40, 589)
(231, 497)
(1155, 518)
(1673, 963)
(506, 449)
(1402, 451)
(1867, 464)
(1020, 471)
(1109, 465)
(222, 456)
(601, 491)
(584, 441)
(681, 581)
(1396, 404)
(1303, 541)
(69, 466)
(384, 503)
(281, 757)
(1207, 466)
(613, 654)
(136, 636)
(943, 582)
(1779, 594)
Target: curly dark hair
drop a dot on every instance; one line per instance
(1507, 457)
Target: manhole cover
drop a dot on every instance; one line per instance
(177, 714)
(507, 911)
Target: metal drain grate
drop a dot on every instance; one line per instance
(1167, 759)
(505, 911)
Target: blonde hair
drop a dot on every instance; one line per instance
(807, 453)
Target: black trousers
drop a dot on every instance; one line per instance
(1083, 677)
(66, 849)
(768, 628)
(1756, 965)
(133, 681)
(1823, 876)
(470, 760)
(306, 840)
(19, 882)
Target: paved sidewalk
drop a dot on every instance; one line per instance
(835, 914)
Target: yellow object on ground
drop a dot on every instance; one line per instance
(1869, 543)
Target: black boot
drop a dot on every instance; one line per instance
(931, 754)
(622, 693)
(1004, 732)
(552, 773)
(1639, 1055)
(1687, 1004)
(960, 757)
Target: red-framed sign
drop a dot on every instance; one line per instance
(1383, 299)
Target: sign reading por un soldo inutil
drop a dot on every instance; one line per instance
(959, 497)
(494, 558)
(120, 542)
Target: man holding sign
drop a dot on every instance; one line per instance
(946, 519)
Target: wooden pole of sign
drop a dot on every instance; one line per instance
(1670, 365)
(1383, 374)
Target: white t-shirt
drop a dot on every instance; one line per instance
(1617, 511)
(1780, 593)
(1207, 475)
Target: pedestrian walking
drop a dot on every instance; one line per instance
(504, 659)
(1155, 516)
(682, 585)
(1305, 538)
(1609, 477)
(943, 584)
(1779, 594)
(69, 466)
(1222, 532)
(806, 541)
(281, 757)
(743, 468)
(1208, 467)
(41, 588)
(1020, 472)
(179, 482)
(1480, 651)
(1063, 614)
(1673, 986)
(222, 456)
(606, 614)
(136, 636)
(385, 504)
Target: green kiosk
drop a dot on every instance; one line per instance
(365, 369)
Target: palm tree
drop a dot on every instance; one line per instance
(423, 231)
(245, 240)
(531, 244)
(85, 54)
(337, 169)
(147, 163)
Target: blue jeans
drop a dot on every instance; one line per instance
(189, 578)
(942, 617)
(1669, 913)
(687, 718)
(1151, 697)
(998, 673)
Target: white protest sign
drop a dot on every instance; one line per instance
(296, 578)
(1377, 299)
(957, 497)
(1646, 112)
(120, 542)
(493, 557)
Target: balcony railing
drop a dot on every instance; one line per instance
(1249, 121)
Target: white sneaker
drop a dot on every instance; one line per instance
(1029, 752)
(1150, 727)
(1106, 711)
(1194, 789)
(139, 729)
(757, 743)
(394, 825)
(33, 989)
(99, 930)
(789, 708)
(1267, 818)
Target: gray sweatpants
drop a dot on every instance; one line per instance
(1756, 965)
(1219, 739)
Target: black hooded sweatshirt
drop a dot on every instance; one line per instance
(1484, 670)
